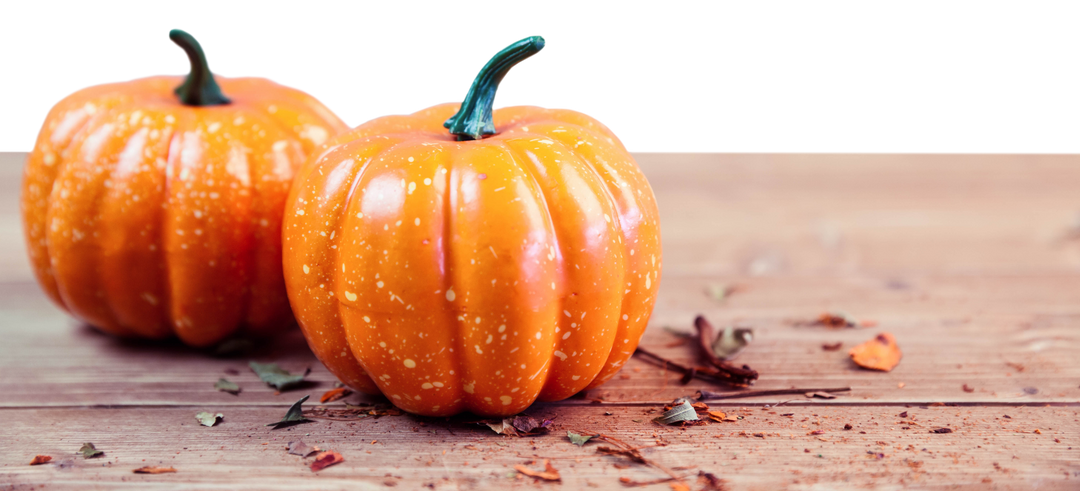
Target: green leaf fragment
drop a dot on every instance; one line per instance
(88, 451)
(207, 419)
(578, 439)
(224, 385)
(678, 414)
(295, 414)
(276, 376)
(731, 341)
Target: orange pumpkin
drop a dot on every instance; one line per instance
(452, 271)
(149, 212)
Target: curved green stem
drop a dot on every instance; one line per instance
(199, 89)
(474, 121)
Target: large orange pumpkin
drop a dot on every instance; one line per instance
(482, 268)
(149, 212)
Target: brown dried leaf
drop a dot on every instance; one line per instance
(153, 470)
(718, 416)
(832, 347)
(334, 394)
(820, 395)
(40, 459)
(326, 459)
(968, 388)
(548, 474)
(880, 353)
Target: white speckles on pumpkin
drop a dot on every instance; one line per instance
(561, 355)
(350, 296)
(306, 269)
(367, 319)
(450, 295)
(469, 388)
(427, 181)
(299, 211)
(506, 400)
(426, 386)
(409, 363)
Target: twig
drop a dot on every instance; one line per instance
(631, 452)
(739, 376)
(700, 373)
(704, 395)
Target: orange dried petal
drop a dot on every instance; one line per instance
(880, 353)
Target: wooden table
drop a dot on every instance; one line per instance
(973, 262)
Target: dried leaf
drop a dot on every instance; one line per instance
(326, 459)
(302, 449)
(832, 347)
(88, 451)
(276, 376)
(678, 414)
(503, 427)
(820, 395)
(40, 459)
(717, 416)
(731, 341)
(207, 419)
(880, 353)
(153, 470)
(224, 385)
(968, 388)
(294, 415)
(334, 394)
(578, 439)
(941, 430)
(548, 474)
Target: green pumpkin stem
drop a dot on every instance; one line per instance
(474, 120)
(199, 89)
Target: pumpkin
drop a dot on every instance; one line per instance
(513, 257)
(153, 207)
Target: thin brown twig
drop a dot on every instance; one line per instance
(631, 452)
(700, 373)
(704, 395)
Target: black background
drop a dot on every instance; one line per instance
(665, 74)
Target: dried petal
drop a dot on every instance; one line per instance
(326, 459)
(880, 353)
(548, 474)
(40, 459)
(334, 394)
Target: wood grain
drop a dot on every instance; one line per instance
(973, 262)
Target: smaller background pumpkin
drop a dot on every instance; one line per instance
(153, 207)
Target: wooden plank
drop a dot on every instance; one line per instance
(952, 332)
(985, 449)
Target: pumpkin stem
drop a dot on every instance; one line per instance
(199, 89)
(474, 120)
